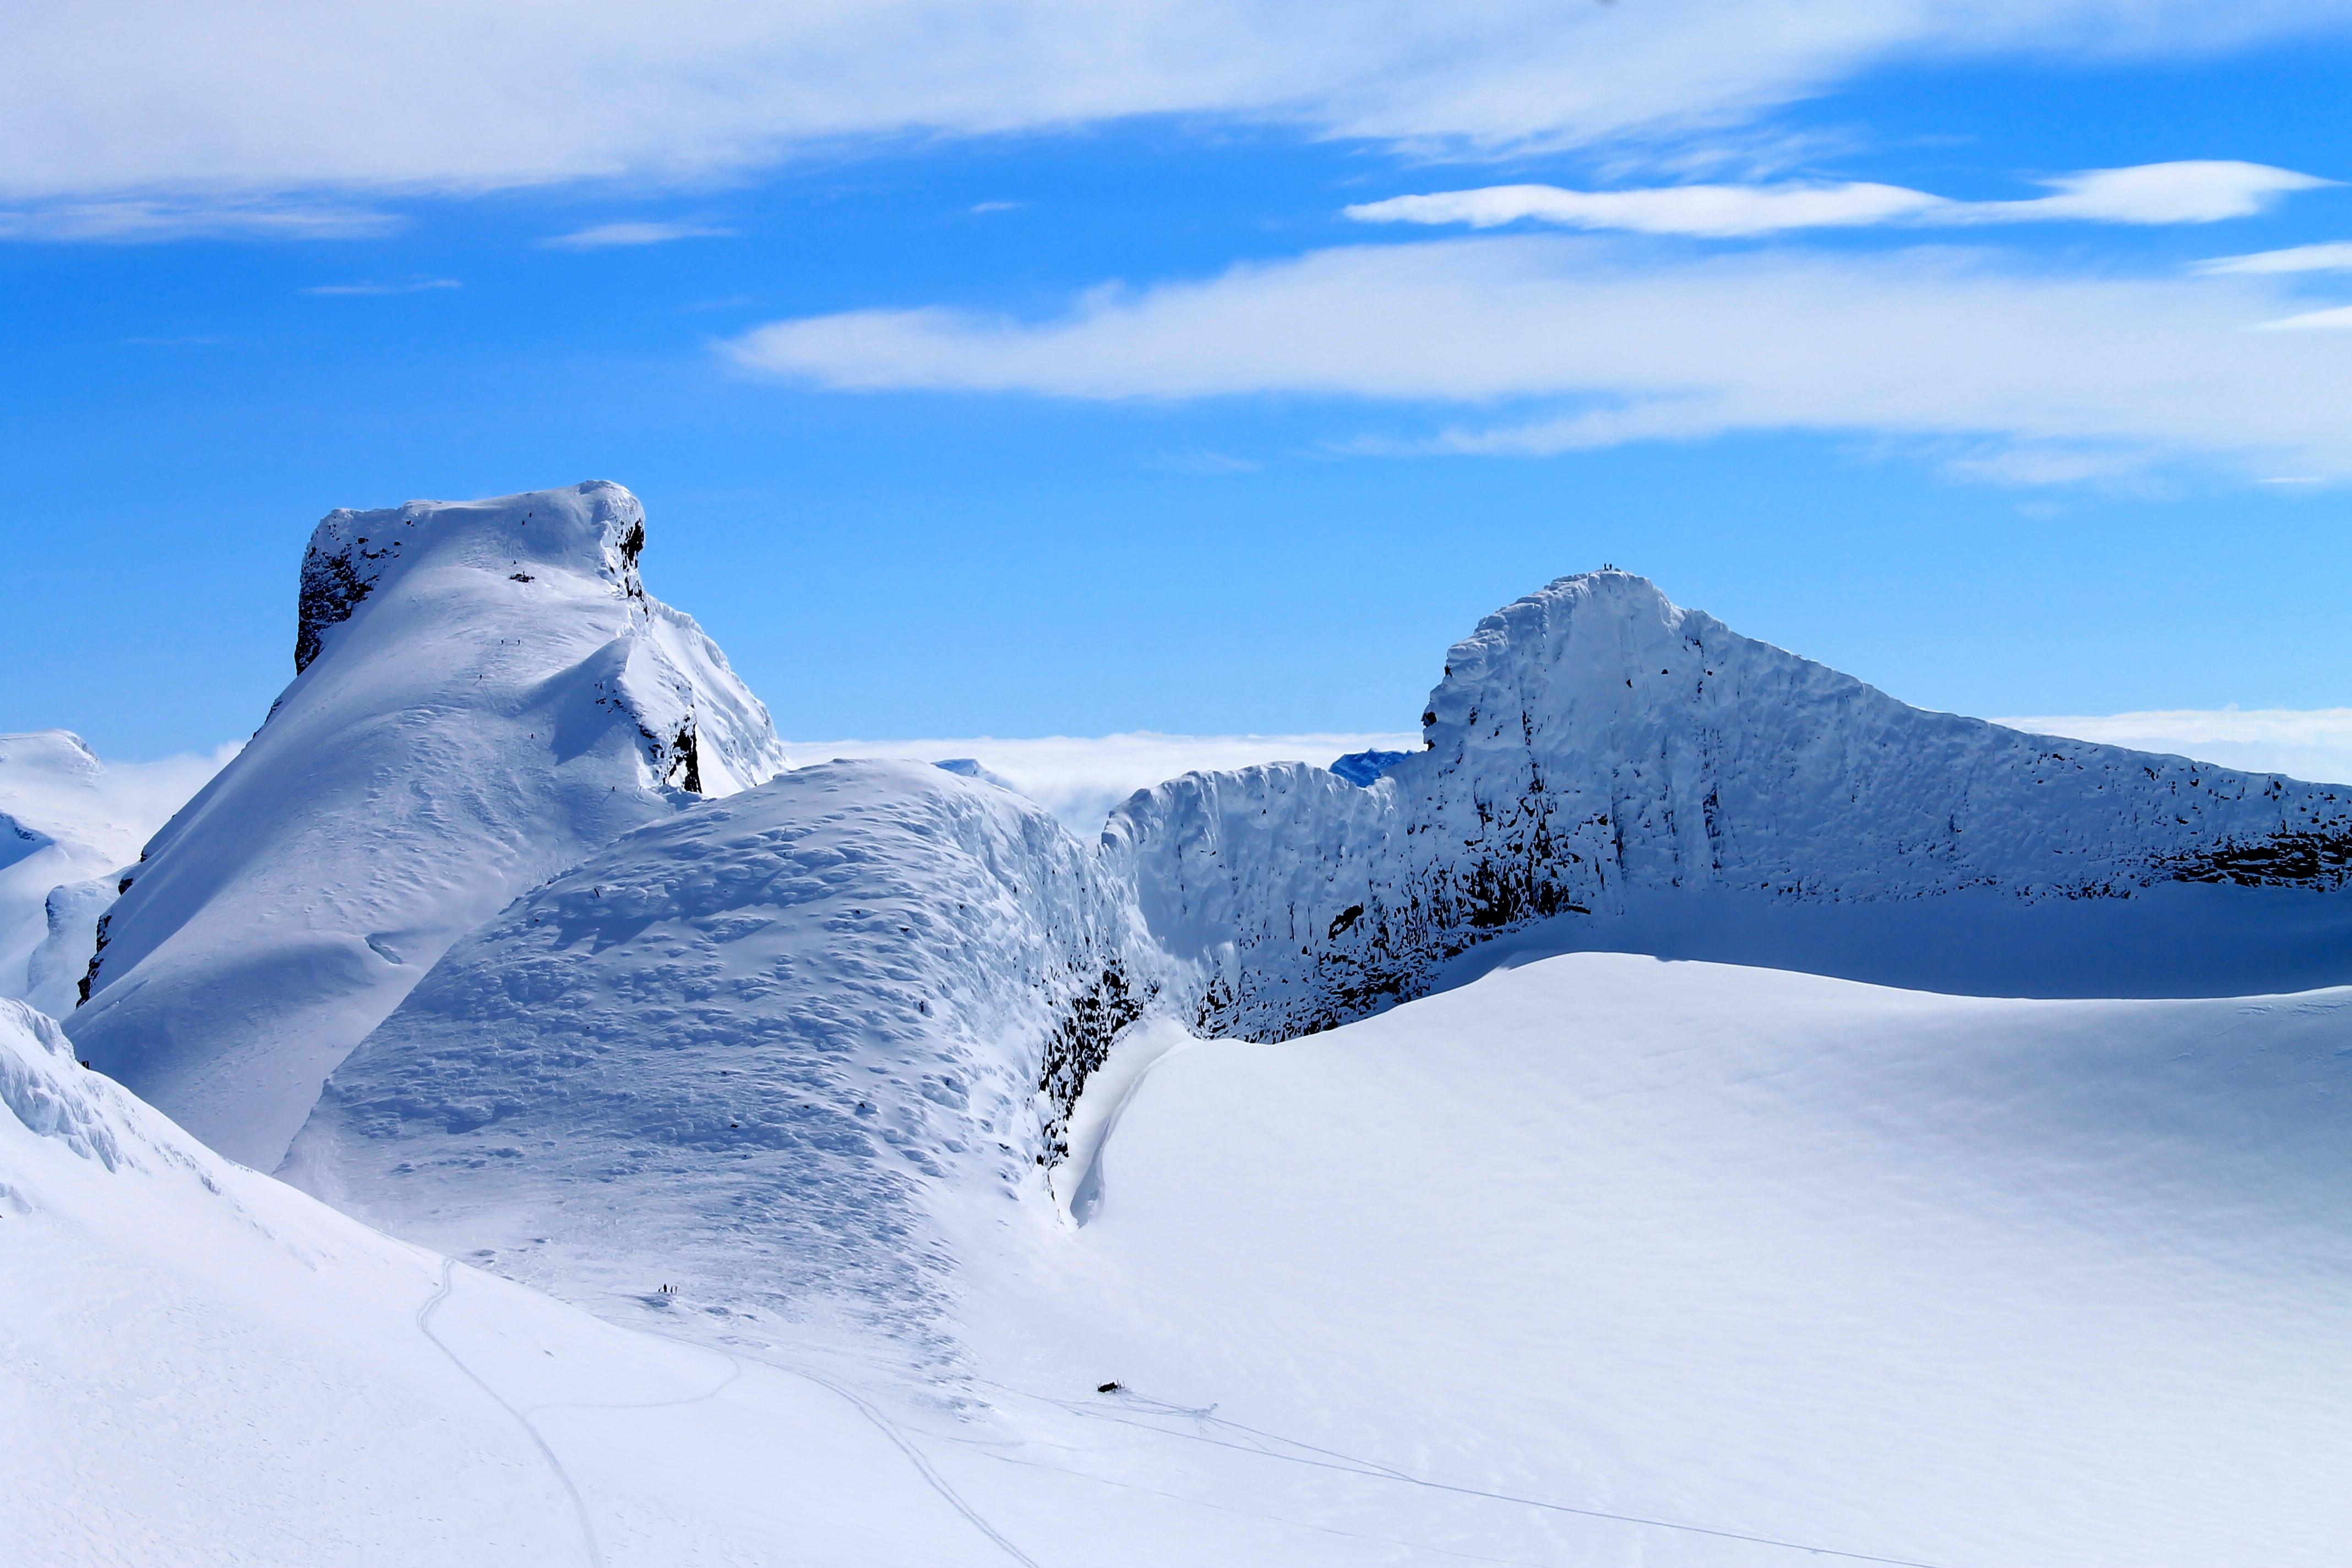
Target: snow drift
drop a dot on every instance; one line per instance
(1602, 762)
(746, 1049)
(485, 693)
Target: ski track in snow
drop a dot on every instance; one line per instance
(579, 1505)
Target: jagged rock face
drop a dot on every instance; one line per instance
(486, 695)
(774, 1028)
(1593, 740)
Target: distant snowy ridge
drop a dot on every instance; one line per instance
(1594, 742)
(486, 695)
(68, 823)
(749, 1048)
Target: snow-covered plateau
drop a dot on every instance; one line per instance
(1694, 1110)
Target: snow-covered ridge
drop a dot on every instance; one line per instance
(68, 823)
(746, 1048)
(1594, 742)
(486, 694)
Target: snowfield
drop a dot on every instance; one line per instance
(1694, 1110)
(1594, 1240)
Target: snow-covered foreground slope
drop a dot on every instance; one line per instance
(1933, 1280)
(1595, 751)
(200, 1367)
(485, 694)
(748, 1050)
(1598, 1260)
(68, 823)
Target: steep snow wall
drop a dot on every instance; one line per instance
(1593, 747)
(744, 1050)
(484, 695)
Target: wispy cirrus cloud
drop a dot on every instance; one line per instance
(606, 235)
(1586, 342)
(2198, 191)
(132, 219)
(396, 286)
(111, 96)
(2332, 257)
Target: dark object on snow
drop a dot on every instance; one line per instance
(1108, 1388)
(1361, 768)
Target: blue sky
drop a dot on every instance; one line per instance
(1036, 384)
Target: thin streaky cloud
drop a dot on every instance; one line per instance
(1588, 342)
(2335, 320)
(112, 97)
(2197, 191)
(409, 286)
(605, 236)
(130, 220)
(2336, 257)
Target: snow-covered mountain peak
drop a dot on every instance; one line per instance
(486, 694)
(594, 529)
(1593, 748)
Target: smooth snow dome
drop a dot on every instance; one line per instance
(486, 695)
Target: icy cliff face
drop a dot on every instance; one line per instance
(1593, 745)
(485, 695)
(744, 1049)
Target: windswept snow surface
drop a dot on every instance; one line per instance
(485, 696)
(68, 823)
(202, 1367)
(1932, 1279)
(1599, 1261)
(748, 1050)
(1596, 750)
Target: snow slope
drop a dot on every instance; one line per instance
(1596, 750)
(68, 825)
(1598, 1260)
(745, 1050)
(1933, 1279)
(201, 1366)
(484, 695)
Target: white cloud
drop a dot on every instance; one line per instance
(2304, 744)
(2335, 320)
(2333, 258)
(405, 286)
(1618, 341)
(147, 218)
(1715, 210)
(1080, 779)
(2202, 191)
(603, 236)
(116, 96)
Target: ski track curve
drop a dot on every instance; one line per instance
(579, 1505)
